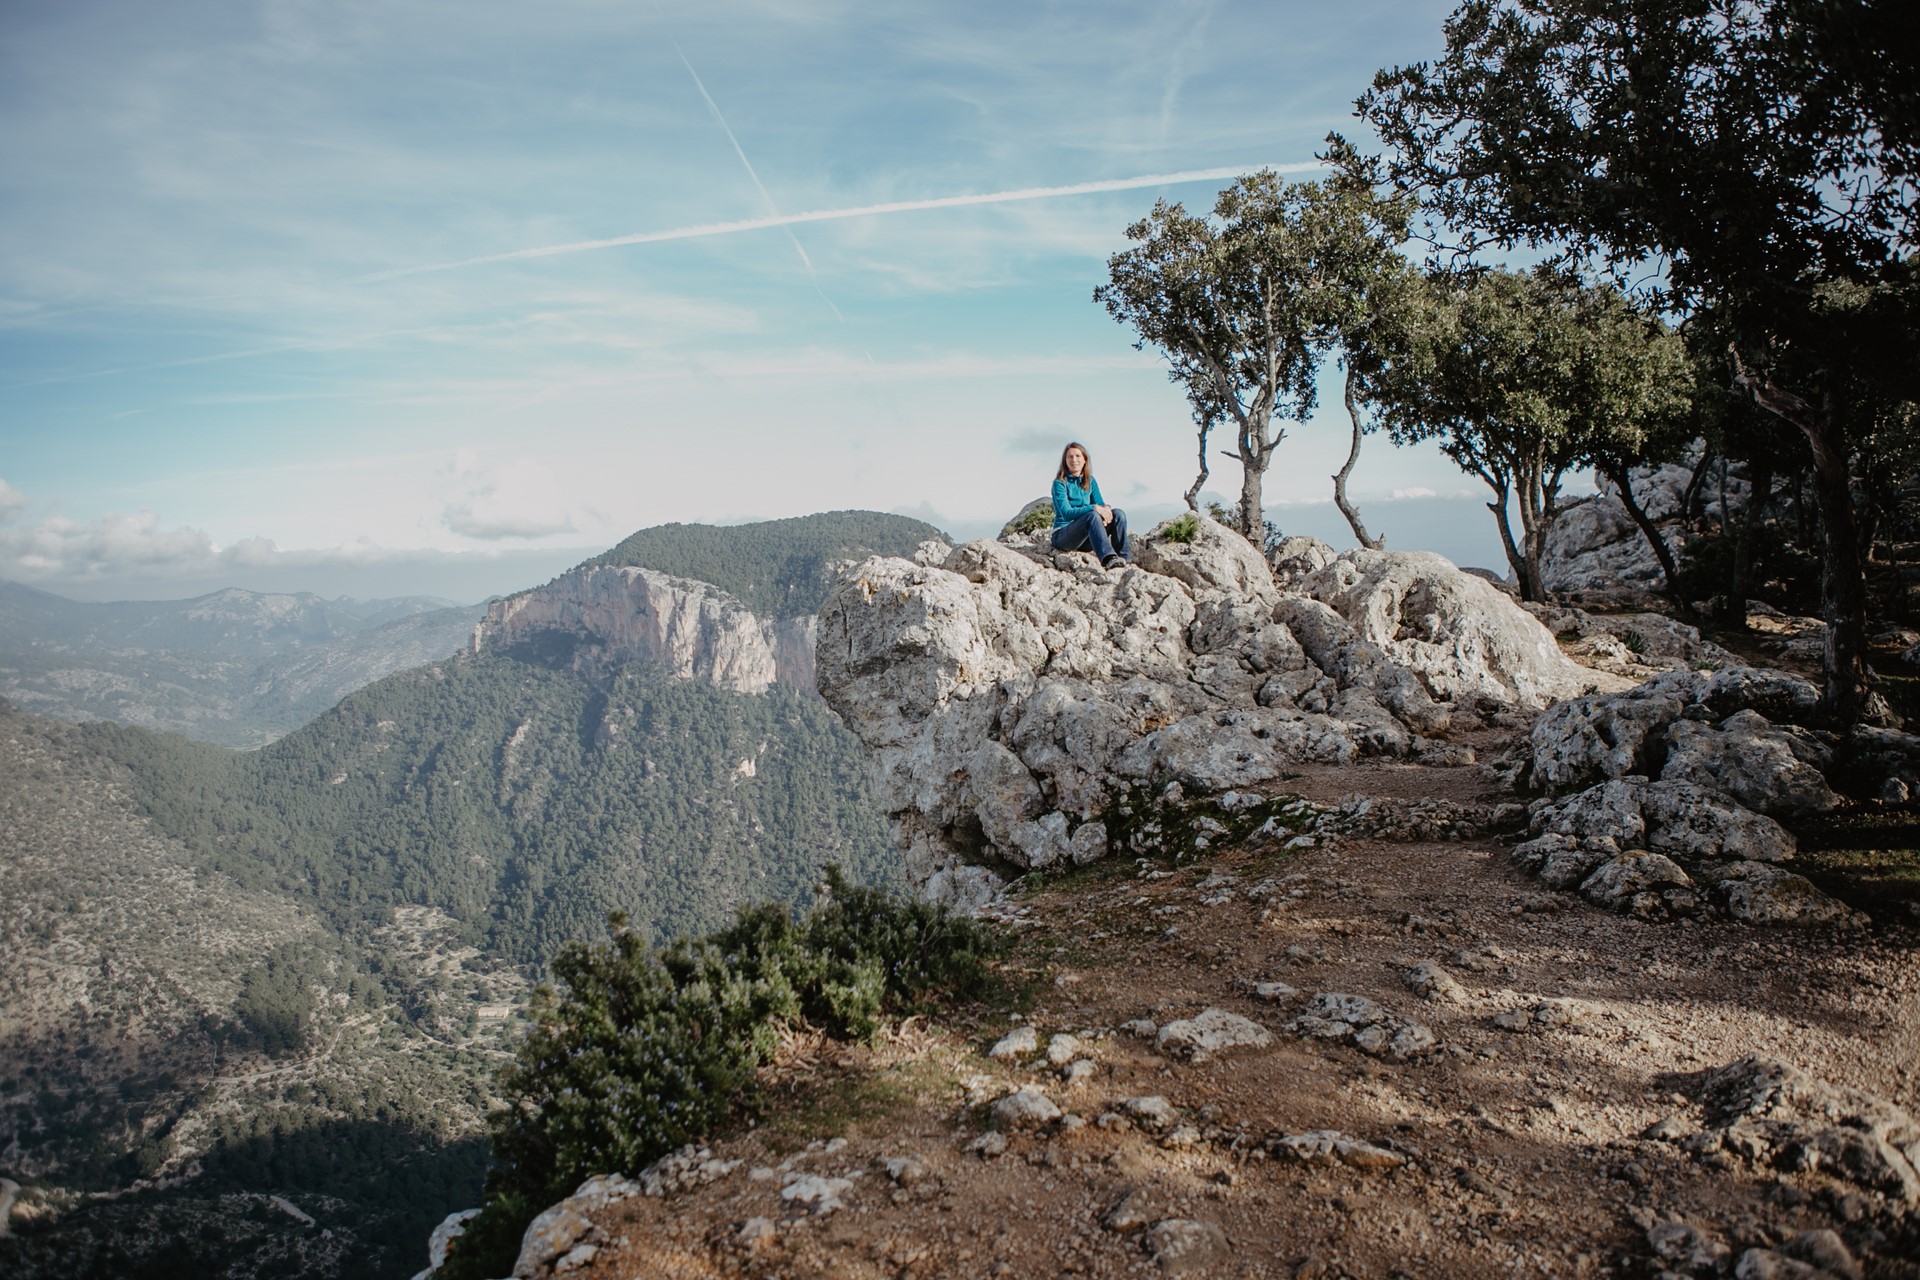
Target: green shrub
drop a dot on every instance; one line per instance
(1034, 521)
(634, 1051)
(1181, 528)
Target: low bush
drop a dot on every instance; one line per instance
(1034, 521)
(635, 1051)
(1181, 528)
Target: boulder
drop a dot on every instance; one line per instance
(1645, 884)
(1460, 634)
(1211, 1032)
(1756, 893)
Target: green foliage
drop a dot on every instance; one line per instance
(1522, 377)
(635, 1051)
(1038, 519)
(276, 1002)
(1182, 528)
(1248, 303)
(777, 568)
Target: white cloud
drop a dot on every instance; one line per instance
(1417, 491)
(520, 498)
(12, 501)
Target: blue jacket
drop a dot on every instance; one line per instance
(1070, 501)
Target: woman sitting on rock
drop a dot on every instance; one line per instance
(1081, 518)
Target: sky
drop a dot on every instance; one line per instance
(433, 297)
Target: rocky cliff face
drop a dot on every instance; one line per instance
(596, 617)
(1009, 697)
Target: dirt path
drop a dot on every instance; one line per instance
(1522, 1149)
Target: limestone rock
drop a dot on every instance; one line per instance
(1430, 981)
(1747, 758)
(1021, 1042)
(1364, 1023)
(1062, 1049)
(1210, 1032)
(1006, 703)
(608, 616)
(1152, 1113)
(1330, 1146)
(1461, 635)
(1645, 884)
(1186, 1246)
(1025, 1109)
(1778, 1114)
(818, 1195)
(1686, 1249)
(451, 1228)
(549, 1236)
(1756, 893)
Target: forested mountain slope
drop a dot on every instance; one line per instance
(291, 971)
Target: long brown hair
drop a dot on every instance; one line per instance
(1085, 480)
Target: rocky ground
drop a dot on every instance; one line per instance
(1441, 1070)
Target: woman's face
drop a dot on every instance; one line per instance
(1076, 462)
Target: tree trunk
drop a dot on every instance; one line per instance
(1193, 494)
(1530, 487)
(1847, 696)
(1691, 497)
(1617, 471)
(1340, 477)
(1733, 607)
(1515, 560)
(1253, 470)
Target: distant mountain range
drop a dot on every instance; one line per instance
(227, 976)
(237, 668)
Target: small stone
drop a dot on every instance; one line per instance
(1765, 1264)
(1153, 1112)
(1669, 1129)
(754, 1233)
(1183, 1136)
(1431, 982)
(1135, 1211)
(1275, 992)
(1143, 1028)
(579, 1256)
(1025, 1109)
(1021, 1042)
(907, 1170)
(1078, 1072)
(1185, 1246)
(1062, 1049)
(817, 1194)
(989, 1144)
(1685, 1247)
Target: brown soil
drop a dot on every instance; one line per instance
(1524, 1151)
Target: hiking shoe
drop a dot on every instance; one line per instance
(1113, 562)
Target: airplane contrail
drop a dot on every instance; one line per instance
(738, 150)
(707, 229)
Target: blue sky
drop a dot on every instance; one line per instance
(266, 314)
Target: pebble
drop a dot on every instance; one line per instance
(1026, 1108)
(1185, 1246)
(1062, 1049)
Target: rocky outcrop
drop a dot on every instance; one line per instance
(1671, 795)
(1008, 696)
(596, 617)
(1772, 1113)
(1594, 547)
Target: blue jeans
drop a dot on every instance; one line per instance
(1088, 532)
